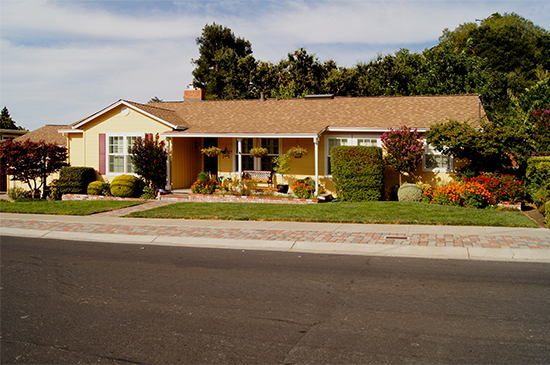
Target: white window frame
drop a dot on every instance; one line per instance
(433, 152)
(124, 153)
(257, 161)
(353, 140)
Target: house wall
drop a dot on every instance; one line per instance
(84, 148)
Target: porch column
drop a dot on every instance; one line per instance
(168, 175)
(316, 142)
(239, 157)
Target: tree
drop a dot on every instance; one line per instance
(155, 99)
(31, 162)
(7, 121)
(541, 131)
(149, 160)
(404, 149)
(225, 65)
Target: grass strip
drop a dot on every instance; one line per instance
(65, 207)
(389, 212)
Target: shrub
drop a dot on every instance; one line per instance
(404, 149)
(149, 193)
(74, 180)
(205, 184)
(467, 193)
(98, 188)
(538, 180)
(17, 193)
(502, 187)
(126, 186)
(304, 188)
(357, 172)
(149, 160)
(409, 193)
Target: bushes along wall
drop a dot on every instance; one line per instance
(357, 172)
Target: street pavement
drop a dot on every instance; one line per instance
(437, 242)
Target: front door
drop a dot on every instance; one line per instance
(211, 163)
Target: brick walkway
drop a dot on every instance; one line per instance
(371, 238)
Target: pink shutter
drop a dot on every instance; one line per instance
(102, 157)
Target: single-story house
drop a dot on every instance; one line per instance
(49, 134)
(316, 122)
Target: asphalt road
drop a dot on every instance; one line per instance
(80, 302)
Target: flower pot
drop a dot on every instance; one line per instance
(282, 189)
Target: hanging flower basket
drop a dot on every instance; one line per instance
(297, 152)
(259, 152)
(211, 151)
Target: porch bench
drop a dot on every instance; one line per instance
(260, 176)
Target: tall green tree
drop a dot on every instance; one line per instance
(7, 121)
(225, 65)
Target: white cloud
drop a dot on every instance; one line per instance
(64, 60)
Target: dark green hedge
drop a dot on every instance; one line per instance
(75, 180)
(357, 172)
(537, 178)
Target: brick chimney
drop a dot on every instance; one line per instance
(194, 95)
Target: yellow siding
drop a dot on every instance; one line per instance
(76, 149)
(225, 165)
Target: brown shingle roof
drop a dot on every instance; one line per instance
(312, 116)
(48, 134)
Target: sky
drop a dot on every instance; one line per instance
(63, 60)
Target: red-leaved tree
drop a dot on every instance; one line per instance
(149, 160)
(404, 148)
(32, 162)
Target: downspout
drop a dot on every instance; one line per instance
(168, 186)
(239, 158)
(316, 142)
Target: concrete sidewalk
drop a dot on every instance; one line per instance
(439, 242)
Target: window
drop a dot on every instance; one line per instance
(272, 145)
(118, 159)
(435, 161)
(332, 142)
(252, 163)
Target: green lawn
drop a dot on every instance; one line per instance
(364, 212)
(65, 207)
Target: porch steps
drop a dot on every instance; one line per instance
(176, 198)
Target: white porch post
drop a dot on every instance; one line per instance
(316, 142)
(168, 175)
(239, 157)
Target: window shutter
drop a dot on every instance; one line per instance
(102, 157)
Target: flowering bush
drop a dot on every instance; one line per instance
(404, 149)
(149, 160)
(205, 184)
(468, 193)
(304, 188)
(502, 187)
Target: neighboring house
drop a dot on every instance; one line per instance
(5, 134)
(49, 134)
(316, 122)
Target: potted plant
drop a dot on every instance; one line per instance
(258, 151)
(282, 165)
(211, 151)
(297, 152)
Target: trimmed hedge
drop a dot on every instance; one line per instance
(537, 177)
(357, 172)
(127, 186)
(98, 188)
(74, 179)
